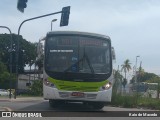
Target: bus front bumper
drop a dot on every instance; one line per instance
(55, 94)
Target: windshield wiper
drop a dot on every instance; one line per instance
(89, 63)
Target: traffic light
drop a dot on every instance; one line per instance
(65, 16)
(21, 5)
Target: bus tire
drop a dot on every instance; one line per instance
(56, 103)
(97, 105)
(53, 103)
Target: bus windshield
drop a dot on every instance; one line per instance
(77, 54)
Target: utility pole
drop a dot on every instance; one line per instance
(136, 80)
(136, 70)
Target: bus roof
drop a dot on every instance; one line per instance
(78, 33)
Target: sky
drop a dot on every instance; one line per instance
(132, 25)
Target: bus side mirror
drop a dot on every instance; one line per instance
(113, 54)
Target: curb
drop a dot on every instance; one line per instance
(26, 99)
(21, 99)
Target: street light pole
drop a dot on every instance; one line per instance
(10, 58)
(136, 70)
(54, 20)
(136, 80)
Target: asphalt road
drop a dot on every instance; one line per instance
(43, 105)
(73, 111)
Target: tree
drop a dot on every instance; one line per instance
(124, 82)
(140, 73)
(37, 88)
(5, 77)
(125, 67)
(39, 62)
(40, 57)
(144, 77)
(155, 79)
(27, 51)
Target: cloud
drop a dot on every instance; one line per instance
(132, 25)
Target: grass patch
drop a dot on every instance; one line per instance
(124, 101)
(151, 103)
(135, 101)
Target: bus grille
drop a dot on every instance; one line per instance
(68, 95)
(91, 96)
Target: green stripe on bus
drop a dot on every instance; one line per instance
(77, 86)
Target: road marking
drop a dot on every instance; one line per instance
(7, 109)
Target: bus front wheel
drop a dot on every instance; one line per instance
(94, 105)
(52, 103)
(56, 103)
(97, 105)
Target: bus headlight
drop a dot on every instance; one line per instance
(106, 87)
(48, 83)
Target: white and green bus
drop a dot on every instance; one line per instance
(77, 67)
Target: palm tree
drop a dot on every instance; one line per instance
(126, 68)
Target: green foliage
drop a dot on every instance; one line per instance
(126, 67)
(145, 77)
(27, 51)
(39, 62)
(125, 101)
(118, 80)
(154, 79)
(5, 77)
(37, 88)
(124, 82)
(135, 101)
(2, 68)
(149, 103)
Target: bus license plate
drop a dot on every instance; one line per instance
(79, 94)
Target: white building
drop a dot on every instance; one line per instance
(24, 80)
